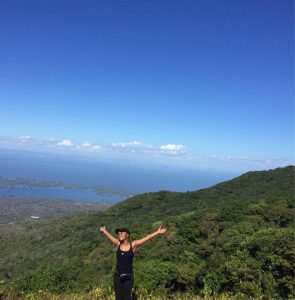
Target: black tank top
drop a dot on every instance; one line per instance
(124, 260)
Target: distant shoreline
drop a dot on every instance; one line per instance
(26, 182)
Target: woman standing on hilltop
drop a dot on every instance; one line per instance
(123, 277)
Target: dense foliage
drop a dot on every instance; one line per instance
(236, 237)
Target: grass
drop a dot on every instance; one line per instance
(102, 294)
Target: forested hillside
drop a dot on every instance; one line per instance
(235, 237)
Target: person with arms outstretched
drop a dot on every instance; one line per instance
(123, 277)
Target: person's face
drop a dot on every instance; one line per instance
(122, 236)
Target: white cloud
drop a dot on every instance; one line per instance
(86, 145)
(147, 149)
(135, 147)
(97, 148)
(172, 149)
(65, 143)
(25, 138)
(149, 152)
(126, 145)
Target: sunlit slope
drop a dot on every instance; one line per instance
(251, 186)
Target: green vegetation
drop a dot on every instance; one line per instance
(21, 208)
(16, 212)
(234, 240)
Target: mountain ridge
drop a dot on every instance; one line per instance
(215, 225)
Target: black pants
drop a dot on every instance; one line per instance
(122, 288)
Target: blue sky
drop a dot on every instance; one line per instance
(193, 82)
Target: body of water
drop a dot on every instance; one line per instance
(125, 176)
(60, 193)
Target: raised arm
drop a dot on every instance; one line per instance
(109, 236)
(140, 242)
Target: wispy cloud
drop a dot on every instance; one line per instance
(130, 147)
(96, 148)
(25, 138)
(241, 162)
(170, 152)
(87, 146)
(134, 143)
(148, 149)
(127, 145)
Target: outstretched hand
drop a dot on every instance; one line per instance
(161, 230)
(102, 229)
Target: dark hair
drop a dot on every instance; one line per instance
(122, 230)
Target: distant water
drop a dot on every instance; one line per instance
(60, 193)
(125, 176)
